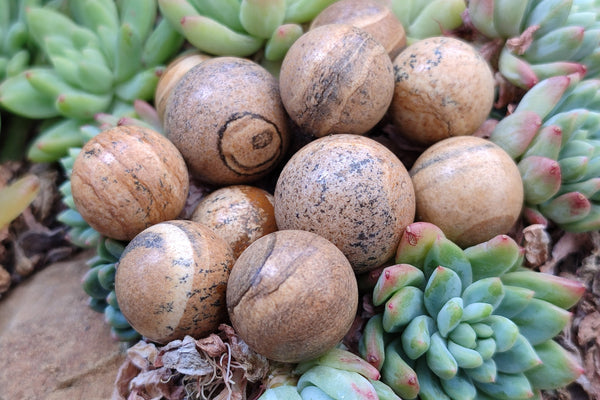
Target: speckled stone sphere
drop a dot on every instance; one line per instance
(292, 295)
(240, 214)
(171, 281)
(372, 16)
(351, 190)
(336, 78)
(444, 88)
(226, 117)
(128, 178)
(469, 187)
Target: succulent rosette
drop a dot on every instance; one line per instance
(102, 54)
(468, 324)
(99, 283)
(338, 375)
(17, 49)
(422, 19)
(242, 28)
(554, 136)
(540, 38)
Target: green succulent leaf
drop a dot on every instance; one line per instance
(557, 369)
(443, 285)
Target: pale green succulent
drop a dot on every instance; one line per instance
(336, 375)
(541, 38)
(101, 54)
(554, 136)
(427, 18)
(99, 283)
(468, 324)
(241, 28)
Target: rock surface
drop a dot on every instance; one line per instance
(52, 345)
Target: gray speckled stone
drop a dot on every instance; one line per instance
(351, 190)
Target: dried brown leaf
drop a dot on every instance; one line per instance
(213, 345)
(183, 356)
(520, 44)
(568, 244)
(255, 365)
(156, 385)
(536, 242)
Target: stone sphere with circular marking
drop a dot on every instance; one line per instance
(292, 295)
(336, 78)
(351, 190)
(128, 178)
(171, 281)
(226, 117)
(443, 88)
(240, 214)
(469, 187)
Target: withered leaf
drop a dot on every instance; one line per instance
(183, 356)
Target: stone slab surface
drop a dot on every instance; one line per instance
(52, 346)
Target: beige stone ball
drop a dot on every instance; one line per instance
(443, 88)
(240, 214)
(351, 190)
(334, 79)
(469, 187)
(226, 117)
(128, 178)
(292, 295)
(171, 281)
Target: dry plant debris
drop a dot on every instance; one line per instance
(220, 366)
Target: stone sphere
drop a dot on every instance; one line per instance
(226, 118)
(336, 79)
(443, 88)
(351, 190)
(171, 281)
(240, 214)
(469, 187)
(128, 178)
(292, 295)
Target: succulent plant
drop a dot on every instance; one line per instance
(17, 49)
(338, 374)
(541, 38)
(241, 28)
(102, 54)
(554, 136)
(466, 324)
(428, 18)
(99, 283)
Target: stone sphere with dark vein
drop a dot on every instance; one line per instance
(226, 117)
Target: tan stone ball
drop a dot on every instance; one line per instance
(351, 190)
(171, 281)
(469, 187)
(128, 178)
(226, 117)
(292, 295)
(372, 16)
(169, 78)
(336, 78)
(444, 88)
(240, 214)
